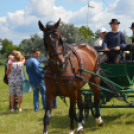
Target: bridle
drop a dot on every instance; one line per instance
(65, 53)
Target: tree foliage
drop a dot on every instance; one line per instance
(8, 47)
(96, 35)
(35, 41)
(88, 34)
(128, 39)
(71, 33)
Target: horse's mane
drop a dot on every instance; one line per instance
(50, 26)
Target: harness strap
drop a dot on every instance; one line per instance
(73, 68)
(62, 97)
(98, 71)
(56, 53)
(78, 56)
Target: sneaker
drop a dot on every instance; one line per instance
(20, 110)
(36, 110)
(54, 107)
(12, 110)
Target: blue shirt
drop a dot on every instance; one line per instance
(112, 40)
(35, 73)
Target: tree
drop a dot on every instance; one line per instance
(128, 39)
(35, 41)
(96, 35)
(8, 47)
(71, 34)
(88, 34)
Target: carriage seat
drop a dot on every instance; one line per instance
(125, 57)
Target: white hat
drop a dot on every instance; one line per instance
(103, 30)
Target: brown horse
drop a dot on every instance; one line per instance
(64, 72)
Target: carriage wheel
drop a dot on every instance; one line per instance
(88, 100)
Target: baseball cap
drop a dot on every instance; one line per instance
(103, 30)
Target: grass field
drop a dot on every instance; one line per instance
(116, 121)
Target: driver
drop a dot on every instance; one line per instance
(113, 42)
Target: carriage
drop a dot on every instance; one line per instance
(121, 76)
(70, 68)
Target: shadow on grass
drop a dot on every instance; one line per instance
(130, 122)
(59, 121)
(16, 111)
(110, 118)
(63, 122)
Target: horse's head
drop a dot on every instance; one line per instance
(53, 43)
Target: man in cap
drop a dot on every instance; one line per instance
(102, 33)
(98, 42)
(113, 43)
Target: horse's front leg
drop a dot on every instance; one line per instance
(49, 102)
(98, 118)
(80, 119)
(96, 91)
(72, 114)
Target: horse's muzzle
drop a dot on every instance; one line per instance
(60, 66)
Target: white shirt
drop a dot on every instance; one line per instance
(98, 42)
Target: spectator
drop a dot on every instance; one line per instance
(15, 78)
(102, 34)
(99, 41)
(36, 79)
(10, 61)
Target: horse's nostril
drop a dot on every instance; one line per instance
(60, 65)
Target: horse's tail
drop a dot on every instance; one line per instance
(111, 86)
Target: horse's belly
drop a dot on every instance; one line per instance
(62, 87)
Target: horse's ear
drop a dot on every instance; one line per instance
(41, 26)
(57, 23)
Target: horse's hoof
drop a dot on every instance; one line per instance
(45, 132)
(80, 128)
(83, 123)
(99, 121)
(80, 131)
(71, 131)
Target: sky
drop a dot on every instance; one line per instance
(19, 18)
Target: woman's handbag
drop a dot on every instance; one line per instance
(5, 80)
(26, 87)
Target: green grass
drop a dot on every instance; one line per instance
(3, 61)
(116, 121)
